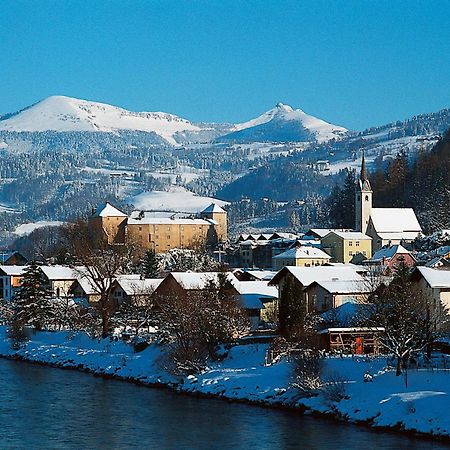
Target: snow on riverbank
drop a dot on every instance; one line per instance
(384, 402)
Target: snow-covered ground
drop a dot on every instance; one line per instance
(177, 199)
(27, 228)
(242, 375)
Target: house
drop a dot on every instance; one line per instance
(325, 295)
(434, 283)
(60, 278)
(84, 292)
(319, 233)
(300, 256)
(343, 246)
(160, 233)
(386, 226)
(300, 278)
(180, 283)
(12, 258)
(253, 275)
(351, 340)
(258, 297)
(391, 257)
(259, 253)
(10, 278)
(133, 289)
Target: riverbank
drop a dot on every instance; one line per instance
(384, 402)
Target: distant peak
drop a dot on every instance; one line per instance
(283, 107)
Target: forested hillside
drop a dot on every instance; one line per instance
(422, 182)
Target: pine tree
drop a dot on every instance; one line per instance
(150, 266)
(32, 302)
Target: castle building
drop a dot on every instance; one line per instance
(161, 233)
(386, 226)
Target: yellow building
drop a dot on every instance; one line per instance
(303, 256)
(161, 233)
(342, 246)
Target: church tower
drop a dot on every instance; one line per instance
(363, 200)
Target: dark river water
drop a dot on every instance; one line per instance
(42, 407)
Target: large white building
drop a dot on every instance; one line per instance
(386, 226)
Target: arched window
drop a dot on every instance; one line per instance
(367, 198)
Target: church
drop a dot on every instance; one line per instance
(386, 226)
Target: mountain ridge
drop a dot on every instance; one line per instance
(63, 114)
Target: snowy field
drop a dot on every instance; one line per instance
(27, 228)
(242, 375)
(177, 199)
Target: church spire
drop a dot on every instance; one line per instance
(363, 176)
(364, 182)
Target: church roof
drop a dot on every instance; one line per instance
(108, 210)
(395, 220)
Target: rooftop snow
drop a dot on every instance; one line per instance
(436, 278)
(303, 253)
(108, 210)
(213, 208)
(389, 252)
(394, 220)
(351, 235)
(307, 275)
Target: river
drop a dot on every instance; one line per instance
(44, 407)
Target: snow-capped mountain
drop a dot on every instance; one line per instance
(59, 113)
(283, 123)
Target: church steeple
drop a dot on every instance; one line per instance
(364, 182)
(363, 199)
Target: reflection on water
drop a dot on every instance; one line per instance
(42, 407)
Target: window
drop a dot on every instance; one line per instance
(357, 243)
(350, 253)
(367, 198)
(140, 228)
(364, 252)
(350, 243)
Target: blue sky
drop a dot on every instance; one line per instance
(354, 63)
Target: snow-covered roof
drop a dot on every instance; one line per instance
(350, 330)
(61, 272)
(87, 286)
(13, 270)
(199, 280)
(259, 288)
(351, 235)
(108, 210)
(322, 232)
(399, 236)
(213, 208)
(394, 220)
(389, 251)
(262, 274)
(304, 252)
(146, 218)
(251, 301)
(135, 286)
(436, 278)
(307, 275)
(345, 286)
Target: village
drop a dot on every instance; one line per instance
(307, 314)
(331, 273)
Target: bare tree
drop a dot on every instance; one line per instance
(101, 263)
(411, 319)
(194, 323)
